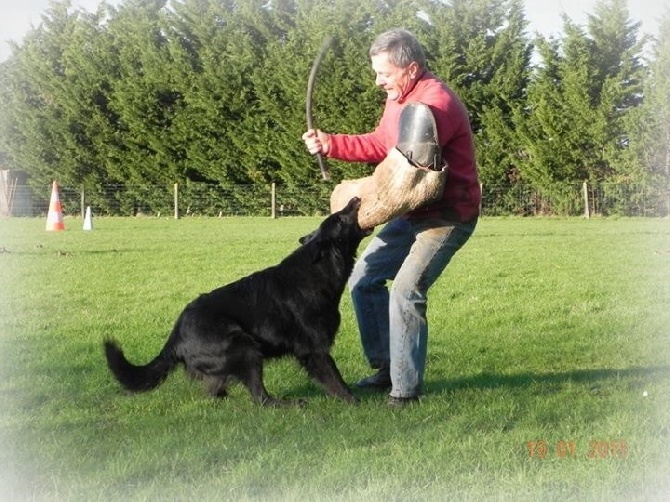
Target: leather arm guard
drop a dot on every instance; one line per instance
(411, 175)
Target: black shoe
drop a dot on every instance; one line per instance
(401, 402)
(380, 380)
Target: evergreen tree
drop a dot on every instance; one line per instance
(648, 126)
(617, 85)
(41, 120)
(215, 47)
(145, 97)
(572, 128)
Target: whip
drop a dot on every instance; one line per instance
(325, 173)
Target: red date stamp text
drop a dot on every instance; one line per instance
(594, 449)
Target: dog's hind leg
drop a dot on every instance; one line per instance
(322, 368)
(252, 378)
(245, 362)
(216, 386)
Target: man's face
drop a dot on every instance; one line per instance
(392, 79)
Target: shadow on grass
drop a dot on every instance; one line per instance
(74, 251)
(488, 380)
(595, 377)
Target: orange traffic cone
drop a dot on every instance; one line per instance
(55, 216)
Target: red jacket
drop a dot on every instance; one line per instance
(462, 193)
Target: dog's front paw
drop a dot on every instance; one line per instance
(353, 400)
(284, 403)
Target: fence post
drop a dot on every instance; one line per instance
(83, 202)
(273, 198)
(587, 209)
(176, 201)
(481, 198)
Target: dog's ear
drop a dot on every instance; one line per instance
(316, 249)
(314, 245)
(306, 238)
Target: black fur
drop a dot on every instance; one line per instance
(289, 309)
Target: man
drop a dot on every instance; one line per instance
(413, 249)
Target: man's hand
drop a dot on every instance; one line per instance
(317, 141)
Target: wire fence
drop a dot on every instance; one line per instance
(201, 199)
(579, 199)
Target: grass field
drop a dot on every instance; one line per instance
(548, 374)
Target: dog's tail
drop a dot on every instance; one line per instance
(138, 378)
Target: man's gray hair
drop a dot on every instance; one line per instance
(402, 47)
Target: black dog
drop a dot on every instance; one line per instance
(289, 309)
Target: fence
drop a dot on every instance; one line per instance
(200, 199)
(603, 199)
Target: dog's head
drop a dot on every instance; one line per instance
(340, 231)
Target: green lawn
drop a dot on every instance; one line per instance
(548, 375)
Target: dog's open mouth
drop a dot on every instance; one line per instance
(354, 205)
